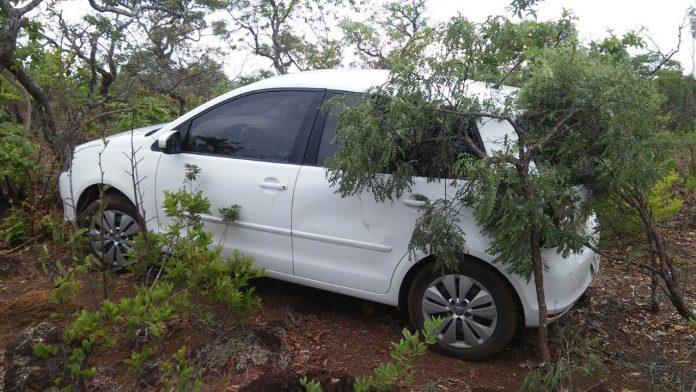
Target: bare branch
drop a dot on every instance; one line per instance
(115, 10)
(667, 57)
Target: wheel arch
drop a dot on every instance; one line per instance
(91, 193)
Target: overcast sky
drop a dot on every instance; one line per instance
(660, 19)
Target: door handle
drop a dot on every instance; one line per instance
(416, 201)
(269, 184)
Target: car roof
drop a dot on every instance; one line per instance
(350, 80)
(355, 80)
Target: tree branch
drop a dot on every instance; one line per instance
(25, 97)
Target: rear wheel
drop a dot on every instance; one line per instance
(478, 310)
(110, 233)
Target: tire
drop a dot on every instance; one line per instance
(471, 310)
(122, 224)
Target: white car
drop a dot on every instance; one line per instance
(263, 146)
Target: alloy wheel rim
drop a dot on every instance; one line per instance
(467, 310)
(118, 230)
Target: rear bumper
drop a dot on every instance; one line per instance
(565, 281)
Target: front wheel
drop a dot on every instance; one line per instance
(478, 310)
(111, 235)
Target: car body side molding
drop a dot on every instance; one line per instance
(301, 234)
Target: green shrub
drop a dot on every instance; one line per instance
(620, 223)
(191, 269)
(148, 111)
(178, 375)
(389, 376)
(192, 261)
(17, 157)
(310, 385)
(15, 227)
(44, 350)
(137, 358)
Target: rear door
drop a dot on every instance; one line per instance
(355, 241)
(249, 151)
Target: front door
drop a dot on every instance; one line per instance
(249, 151)
(353, 241)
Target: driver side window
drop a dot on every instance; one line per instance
(270, 126)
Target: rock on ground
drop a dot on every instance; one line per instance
(24, 371)
(261, 347)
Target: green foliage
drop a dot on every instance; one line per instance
(621, 223)
(44, 350)
(15, 227)
(310, 385)
(68, 284)
(229, 214)
(680, 105)
(178, 375)
(192, 261)
(400, 371)
(144, 315)
(17, 157)
(137, 358)
(288, 33)
(663, 200)
(438, 232)
(549, 380)
(191, 268)
(500, 207)
(610, 109)
(523, 8)
(149, 310)
(75, 363)
(580, 355)
(147, 110)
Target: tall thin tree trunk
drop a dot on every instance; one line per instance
(654, 284)
(26, 117)
(43, 108)
(665, 267)
(538, 269)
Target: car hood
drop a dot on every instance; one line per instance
(123, 138)
(138, 131)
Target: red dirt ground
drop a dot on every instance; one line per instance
(638, 350)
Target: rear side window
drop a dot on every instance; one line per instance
(270, 126)
(328, 146)
(436, 159)
(432, 160)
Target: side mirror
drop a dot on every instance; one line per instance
(170, 142)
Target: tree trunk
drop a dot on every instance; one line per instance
(660, 252)
(538, 268)
(43, 107)
(26, 117)
(9, 30)
(654, 284)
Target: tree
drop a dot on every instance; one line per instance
(15, 22)
(573, 111)
(390, 31)
(289, 33)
